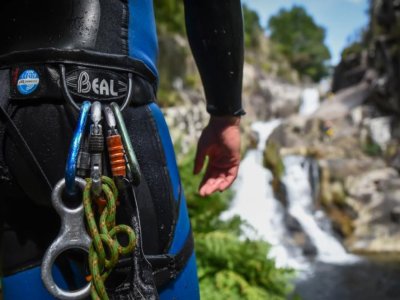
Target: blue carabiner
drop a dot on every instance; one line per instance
(70, 169)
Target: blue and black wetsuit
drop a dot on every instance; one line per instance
(103, 40)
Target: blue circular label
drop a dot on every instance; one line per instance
(28, 82)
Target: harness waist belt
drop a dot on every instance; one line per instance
(46, 81)
(83, 57)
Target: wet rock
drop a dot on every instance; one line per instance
(376, 198)
(302, 241)
(253, 139)
(309, 249)
(381, 131)
(299, 237)
(351, 70)
(292, 224)
(365, 186)
(266, 97)
(395, 215)
(281, 194)
(273, 161)
(341, 168)
(186, 123)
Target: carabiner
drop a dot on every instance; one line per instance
(70, 169)
(126, 141)
(96, 148)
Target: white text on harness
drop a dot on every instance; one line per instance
(103, 87)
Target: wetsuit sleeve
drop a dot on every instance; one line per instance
(215, 32)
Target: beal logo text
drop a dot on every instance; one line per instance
(97, 84)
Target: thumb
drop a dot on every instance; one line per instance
(199, 160)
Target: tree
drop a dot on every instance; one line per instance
(252, 28)
(170, 15)
(301, 40)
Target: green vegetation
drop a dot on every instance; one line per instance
(370, 148)
(354, 48)
(273, 161)
(170, 18)
(301, 40)
(170, 15)
(253, 31)
(229, 266)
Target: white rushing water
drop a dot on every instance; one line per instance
(301, 207)
(309, 101)
(255, 203)
(253, 193)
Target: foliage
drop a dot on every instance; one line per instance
(370, 148)
(253, 31)
(170, 23)
(301, 40)
(354, 48)
(168, 97)
(273, 161)
(170, 15)
(229, 267)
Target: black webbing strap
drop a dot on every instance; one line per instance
(167, 267)
(13, 132)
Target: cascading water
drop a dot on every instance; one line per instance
(331, 273)
(309, 101)
(255, 203)
(301, 207)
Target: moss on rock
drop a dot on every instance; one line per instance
(273, 161)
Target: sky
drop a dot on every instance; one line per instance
(341, 18)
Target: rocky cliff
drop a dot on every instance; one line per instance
(355, 137)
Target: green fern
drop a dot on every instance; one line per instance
(229, 266)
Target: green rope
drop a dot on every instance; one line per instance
(101, 262)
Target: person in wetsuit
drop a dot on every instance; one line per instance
(105, 39)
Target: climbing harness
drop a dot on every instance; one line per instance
(101, 147)
(86, 156)
(46, 76)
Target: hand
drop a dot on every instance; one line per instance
(220, 141)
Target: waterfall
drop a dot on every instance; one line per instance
(297, 180)
(256, 204)
(309, 101)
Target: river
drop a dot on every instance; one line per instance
(325, 271)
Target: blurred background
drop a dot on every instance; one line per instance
(315, 212)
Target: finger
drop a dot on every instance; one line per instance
(229, 179)
(199, 159)
(225, 184)
(210, 182)
(210, 186)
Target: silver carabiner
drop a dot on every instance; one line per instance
(72, 235)
(96, 140)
